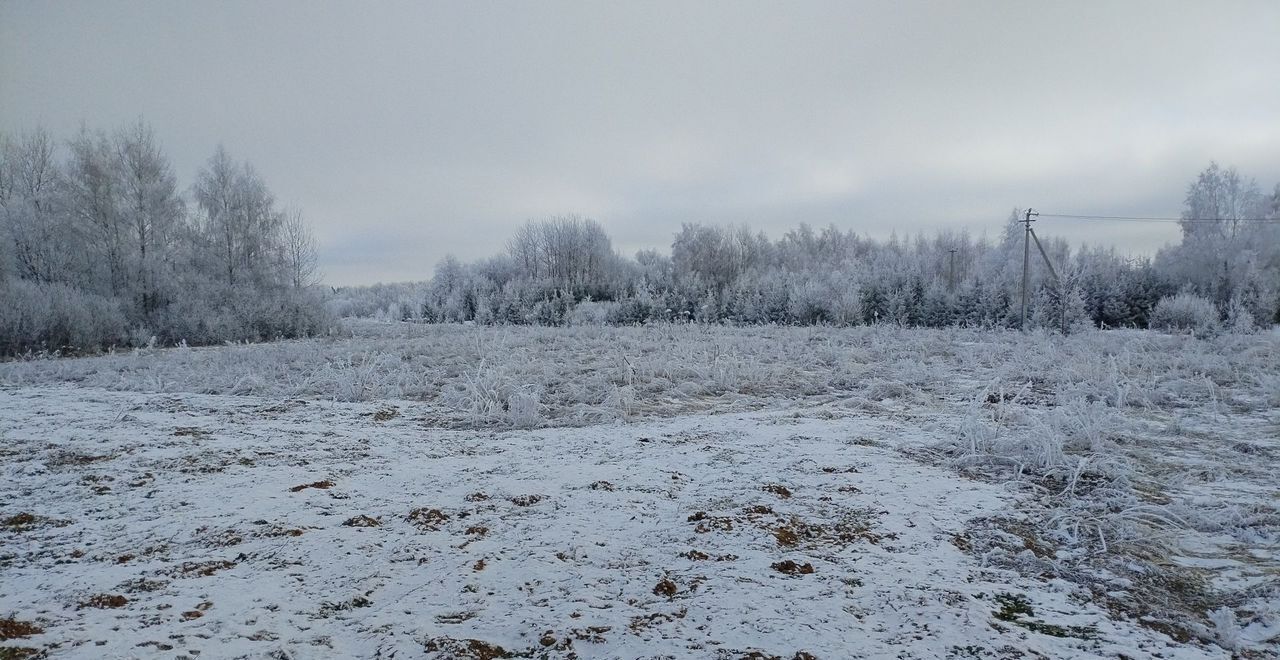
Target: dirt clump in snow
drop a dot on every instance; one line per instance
(278, 531)
(315, 484)
(327, 609)
(714, 523)
(104, 601)
(593, 634)
(548, 640)
(643, 622)
(362, 521)
(202, 568)
(141, 585)
(466, 649)
(789, 567)
(527, 500)
(777, 489)
(192, 615)
(756, 654)
(70, 458)
(428, 520)
(12, 628)
(20, 522)
(666, 587)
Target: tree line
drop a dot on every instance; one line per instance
(101, 247)
(1224, 272)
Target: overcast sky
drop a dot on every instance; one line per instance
(407, 131)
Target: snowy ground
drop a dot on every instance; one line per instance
(976, 513)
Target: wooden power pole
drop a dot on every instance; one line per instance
(1026, 264)
(951, 273)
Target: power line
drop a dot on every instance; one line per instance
(1157, 219)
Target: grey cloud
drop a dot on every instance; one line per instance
(437, 127)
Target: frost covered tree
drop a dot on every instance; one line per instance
(97, 248)
(238, 219)
(152, 210)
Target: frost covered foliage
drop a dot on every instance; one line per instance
(1186, 312)
(1132, 455)
(400, 301)
(99, 248)
(38, 314)
(830, 276)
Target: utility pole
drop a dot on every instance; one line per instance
(1062, 287)
(1026, 265)
(951, 274)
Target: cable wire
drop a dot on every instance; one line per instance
(1134, 218)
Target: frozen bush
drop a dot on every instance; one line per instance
(523, 408)
(1239, 318)
(56, 318)
(591, 312)
(1185, 312)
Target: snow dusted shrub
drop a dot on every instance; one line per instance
(622, 400)
(357, 377)
(1239, 318)
(1084, 425)
(549, 311)
(591, 312)
(483, 394)
(1185, 312)
(1226, 629)
(523, 408)
(57, 318)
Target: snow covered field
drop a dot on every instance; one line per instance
(669, 491)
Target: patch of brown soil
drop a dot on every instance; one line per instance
(192, 615)
(527, 500)
(428, 520)
(202, 568)
(788, 567)
(593, 634)
(104, 601)
(466, 649)
(73, 459)
(315, 484)
(786, 536)
(361, 521)
(714, 524)
(777, 489)
(12, 628)
(24, 522)
(644, 622)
